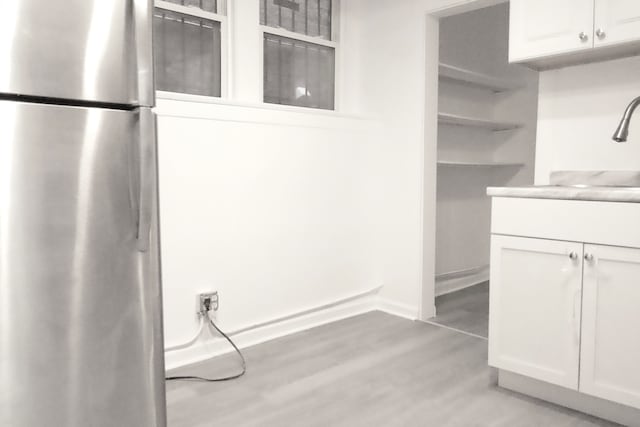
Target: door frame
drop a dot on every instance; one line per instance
(433, 12)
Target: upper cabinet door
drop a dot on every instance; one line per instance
(79, 50)
(543, 28)
(534, 326)
(616, 21)
(610, 319)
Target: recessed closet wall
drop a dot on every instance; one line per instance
(486, 136)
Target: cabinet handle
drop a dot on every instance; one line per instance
(601, 33)
(583, 36)
(573, 255)
(588, 257)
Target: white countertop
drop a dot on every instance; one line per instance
(592, 193)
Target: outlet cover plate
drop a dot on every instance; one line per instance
(208, 297)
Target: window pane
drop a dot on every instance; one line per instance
(208, 5)
(187, 53)
(298, 73)
(309, 17)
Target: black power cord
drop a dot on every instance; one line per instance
(214, 380)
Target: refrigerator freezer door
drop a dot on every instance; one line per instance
(80, 304)
(83, 50)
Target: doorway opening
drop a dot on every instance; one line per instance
(487, 114)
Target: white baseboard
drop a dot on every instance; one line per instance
(446, 285)
(208, 346)
(397, 309)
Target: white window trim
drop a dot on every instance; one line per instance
(297, 36)
(224, 47)
(333, 43)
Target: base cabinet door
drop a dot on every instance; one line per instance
(534, 326)
(610, 355)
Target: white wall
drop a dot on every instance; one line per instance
(273, 209)
(390, 85)
(579, 109)
(280, 209)
(283, 211)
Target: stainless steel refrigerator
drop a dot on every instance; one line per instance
(80, 299)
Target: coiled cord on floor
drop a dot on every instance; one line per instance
(229, 378)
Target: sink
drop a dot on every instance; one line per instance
(590, 179)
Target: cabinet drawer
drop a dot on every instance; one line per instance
(607, 223)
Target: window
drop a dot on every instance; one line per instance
(188, 47)
(308, 17)
(299, 53)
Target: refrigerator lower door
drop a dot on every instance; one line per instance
(82, 50)
(80, 302)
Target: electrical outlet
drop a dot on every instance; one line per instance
(207, 302)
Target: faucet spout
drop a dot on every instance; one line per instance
(622, 132)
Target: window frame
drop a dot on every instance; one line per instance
(221, 17)
(333, 43)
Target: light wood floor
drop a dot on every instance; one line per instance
(370, 370)
(467, 310)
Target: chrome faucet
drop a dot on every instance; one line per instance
(623, 128)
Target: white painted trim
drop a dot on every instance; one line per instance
(262, 114)
(575, 400)
(281, 32)
(249, 336)
(188, 97)
(462, 6)
(446, 285)
(397, 309)
(428, 169)
(336, 30)
(189, 10)
(208, 347)
(185, 97)
(461, 273)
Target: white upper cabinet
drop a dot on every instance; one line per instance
(610, 319)
(549, 27)
(534, 326)
(616, 21)
(548, 33)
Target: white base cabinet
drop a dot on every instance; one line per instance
(535, 308)
(610, 351)
(567, 312)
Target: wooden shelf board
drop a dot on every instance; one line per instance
(494, 125)
(472, 78)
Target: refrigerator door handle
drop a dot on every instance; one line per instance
(143, 22)
(147, 170)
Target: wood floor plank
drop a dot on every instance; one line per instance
(369, 370)
(466, 310)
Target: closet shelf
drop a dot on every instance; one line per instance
(472, 78)
(480, 164)
(494, 125)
